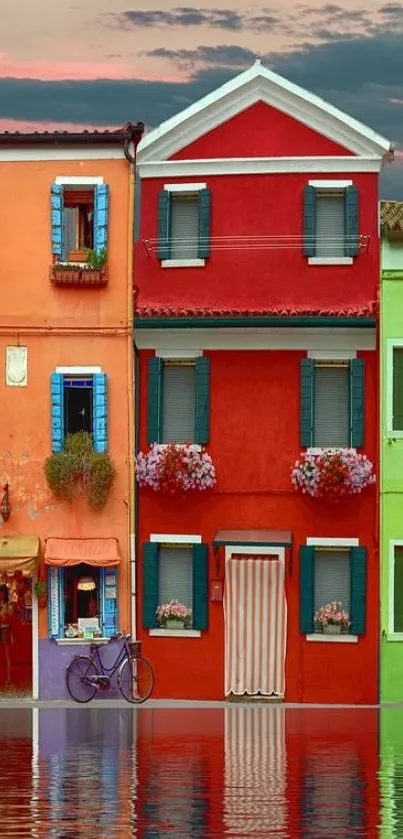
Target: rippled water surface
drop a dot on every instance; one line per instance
(113, 773)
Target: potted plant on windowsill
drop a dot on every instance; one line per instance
(92, 272)
(78, 466)
(332, 473)
(331, 619)
(174, 467)
(65, 273)
(173, 615)
(41, 591)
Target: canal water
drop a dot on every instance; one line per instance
(234, 771)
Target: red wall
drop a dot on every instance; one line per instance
(254, 442)
(276, 277)
(261, 131)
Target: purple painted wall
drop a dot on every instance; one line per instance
(54, 659)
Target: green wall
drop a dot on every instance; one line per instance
(391, 471)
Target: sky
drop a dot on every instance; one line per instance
(104, 62)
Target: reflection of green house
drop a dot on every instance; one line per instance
(391, 773)
(391, 473)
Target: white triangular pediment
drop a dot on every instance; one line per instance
(254, 85)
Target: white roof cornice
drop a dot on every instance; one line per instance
(254, 85)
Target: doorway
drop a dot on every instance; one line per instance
(255, 619)
(15, 633)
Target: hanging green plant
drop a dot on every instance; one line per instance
(79, 466)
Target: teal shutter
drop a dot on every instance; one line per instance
(57, 411)
(357, 401)
(307, 373)
(108, 595)
(202, 429)
(307, 588)
(164, 224)
(358, 607)
(204, 223)
(352, 221)
(56, 220)
(154, 425)
(100, 412)
(150, 584)
(55, 602)
(309, 221)
(101, 213)
(200, 586)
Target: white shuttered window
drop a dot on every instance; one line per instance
(332, 406)
(178, 403)
(185, 227)
(176, 575)
(330, 225)
(332, 578)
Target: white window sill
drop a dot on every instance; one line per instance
(175, 633)
(332, 639)
(77, 641)
(183, 263)
(322, 449)
(395, 636)
(197, 446)
(394, 435)
(328, 260)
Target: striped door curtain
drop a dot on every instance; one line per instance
(255, 614)
(255, 798)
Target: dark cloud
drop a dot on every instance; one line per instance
(361, 75)
(181, 16)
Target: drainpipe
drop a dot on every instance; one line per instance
(131, 139)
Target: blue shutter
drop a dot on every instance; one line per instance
(57, 411)
(150, 584)
(154, 420)
(164, 224)
(309, 221)
(306, 587)
(56, 220)
(306, 401)
(358, 587)
(100, 412)
(200, 587)
(108, 584)
(101, 212)
(202, 414)
(357, 401)
(55, 602)
(352, 221)
(204, 223)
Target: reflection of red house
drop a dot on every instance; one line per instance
(257, 271)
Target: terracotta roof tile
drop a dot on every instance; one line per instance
(392, 215)
(155, 311)
(95, 135)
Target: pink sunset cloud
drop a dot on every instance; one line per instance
(82, 71)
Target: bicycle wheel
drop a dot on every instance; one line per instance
(79, 670)
(136, 679)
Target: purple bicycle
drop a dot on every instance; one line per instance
(87, 674)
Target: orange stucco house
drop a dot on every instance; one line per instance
(66, 269)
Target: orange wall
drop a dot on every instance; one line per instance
(60, 327)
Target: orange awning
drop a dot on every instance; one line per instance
(99, 552)
(19, 553)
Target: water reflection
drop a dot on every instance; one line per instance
(239, 771)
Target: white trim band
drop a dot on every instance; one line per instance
(332, 542)
(330, 184)
(332, 639)
(256, 166)
(176, 538)
(175, 633)
(74, 180)
(184, 187)
(183, 263)
(78, 371)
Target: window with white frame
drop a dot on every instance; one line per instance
(331, 221)
(398, 589)
(175, 571)
(397, 407)
(333, 572)
(184, 217)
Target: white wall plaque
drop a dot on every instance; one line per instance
(16, 366)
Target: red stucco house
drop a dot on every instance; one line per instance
(257, 266)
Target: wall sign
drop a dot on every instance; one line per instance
(16, 366)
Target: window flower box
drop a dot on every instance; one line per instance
(73, 275)
(333, 474)
(332, 619)
(175, 467)
(173, 615)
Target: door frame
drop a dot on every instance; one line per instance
(265, 550)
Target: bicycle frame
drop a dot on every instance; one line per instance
(120, 658)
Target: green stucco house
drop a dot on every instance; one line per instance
(391, 452)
